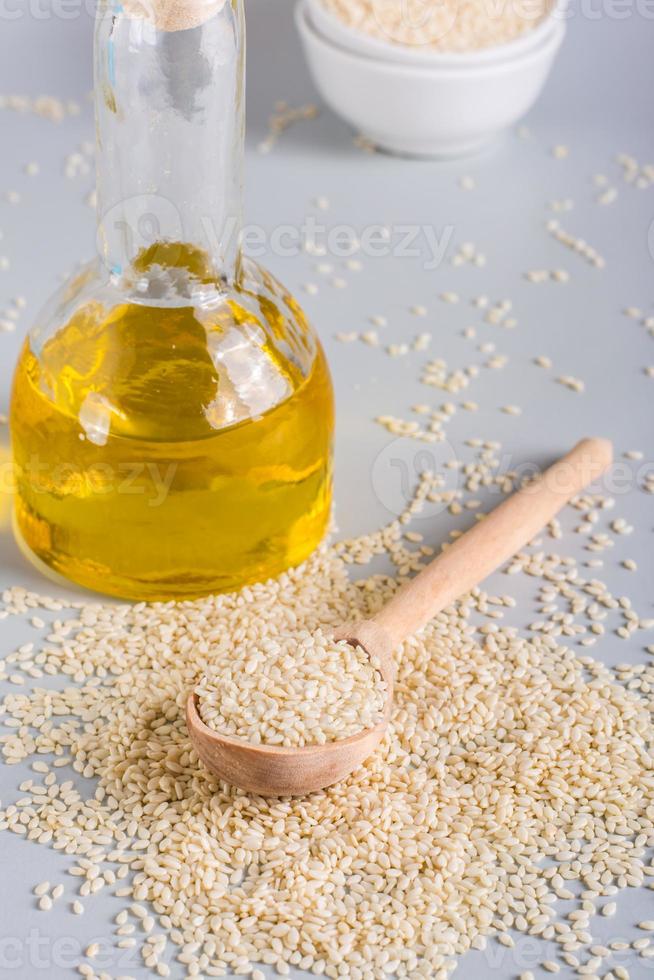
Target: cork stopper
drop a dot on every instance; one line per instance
(173, 15)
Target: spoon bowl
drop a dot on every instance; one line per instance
(272, 770)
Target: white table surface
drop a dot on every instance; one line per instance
(599, 104)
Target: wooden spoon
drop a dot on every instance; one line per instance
(270, 770)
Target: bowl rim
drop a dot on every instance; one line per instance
(551, 40)
(350, 38)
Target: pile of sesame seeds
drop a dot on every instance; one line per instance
(294, 689)
(466, 25)
(516, 773)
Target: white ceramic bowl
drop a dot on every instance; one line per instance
(427, 111)
(334, 29)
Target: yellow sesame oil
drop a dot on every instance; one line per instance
(159, 457)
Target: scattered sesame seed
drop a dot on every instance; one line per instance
(577, 245)
(609, 196)
(282, 119)
(573, 384)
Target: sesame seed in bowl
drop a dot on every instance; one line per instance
(438, 32)
(296, 689)
(438, 110)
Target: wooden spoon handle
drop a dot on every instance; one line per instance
(493, 540)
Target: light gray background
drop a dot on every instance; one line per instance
(600, 103)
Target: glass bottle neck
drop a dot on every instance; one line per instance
(169, 102)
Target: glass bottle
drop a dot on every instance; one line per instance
(172, 410)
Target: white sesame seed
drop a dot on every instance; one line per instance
(299, 689)
(256, 878)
